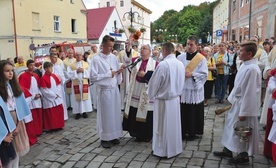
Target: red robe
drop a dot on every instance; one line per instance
(53, 118)
(25, 82)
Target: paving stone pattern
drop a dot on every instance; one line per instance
(78, 145)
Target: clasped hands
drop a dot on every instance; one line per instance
(79, 70)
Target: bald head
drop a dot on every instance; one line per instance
(78, 56)
(20, 59)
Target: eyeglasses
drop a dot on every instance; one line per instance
(144, 49)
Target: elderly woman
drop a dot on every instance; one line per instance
(208, 86)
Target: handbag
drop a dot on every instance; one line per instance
(214, 73)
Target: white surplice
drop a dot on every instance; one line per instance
(58, 70)
(244, 102)
(83, 105)
(32, 103)
(193, 92)
(50, 98)
(109, 122)
(165, 87)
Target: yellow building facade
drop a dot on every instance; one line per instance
(27, 23)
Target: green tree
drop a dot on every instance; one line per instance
(188, 24)
(197, 20)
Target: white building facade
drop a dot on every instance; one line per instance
(220, 21)
(124, 6)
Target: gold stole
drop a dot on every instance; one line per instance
(194, 62)
(85, 85)
(68, 84)
(258, 54)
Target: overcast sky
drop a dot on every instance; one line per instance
(158, 7)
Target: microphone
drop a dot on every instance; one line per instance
(133, 64)
(136, 62)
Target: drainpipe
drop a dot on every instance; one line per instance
(250, 11)
(14, 29)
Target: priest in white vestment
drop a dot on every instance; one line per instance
(68, 84)
(165, 87)
(192, 105)
(79, 73)
(244, 111)
(125, 57)
(58, 70)
(106, 74)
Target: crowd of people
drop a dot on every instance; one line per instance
(156, 94)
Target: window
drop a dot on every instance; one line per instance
(241, 3)
(35, 21)
(72, 1)
(121, 3)
(234, 5)
(107, 4)
(259, 28)
(73, 26)
(56, 23)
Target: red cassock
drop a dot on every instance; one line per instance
(25, 82)
(30, 127)
(267, 143)
(53, 118)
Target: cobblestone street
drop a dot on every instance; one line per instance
(78, 145)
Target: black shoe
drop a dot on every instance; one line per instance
(241, 158)
(264, 127)
(221, 101)
(105, 144)
(217, 101)
(69, 108)
(115, 141)
(84, 115)
(77, 116)
(223, 154)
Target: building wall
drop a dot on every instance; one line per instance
(220, 20)
(40, 30)
(137, 24)
(271, 26)
(241, 28)
(7, 44)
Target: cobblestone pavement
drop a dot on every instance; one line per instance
(78, 145)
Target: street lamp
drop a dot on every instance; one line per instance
(174, 36)
(161, 33)
(131, 16)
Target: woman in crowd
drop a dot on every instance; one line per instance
(208, 86)
(14, 107)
